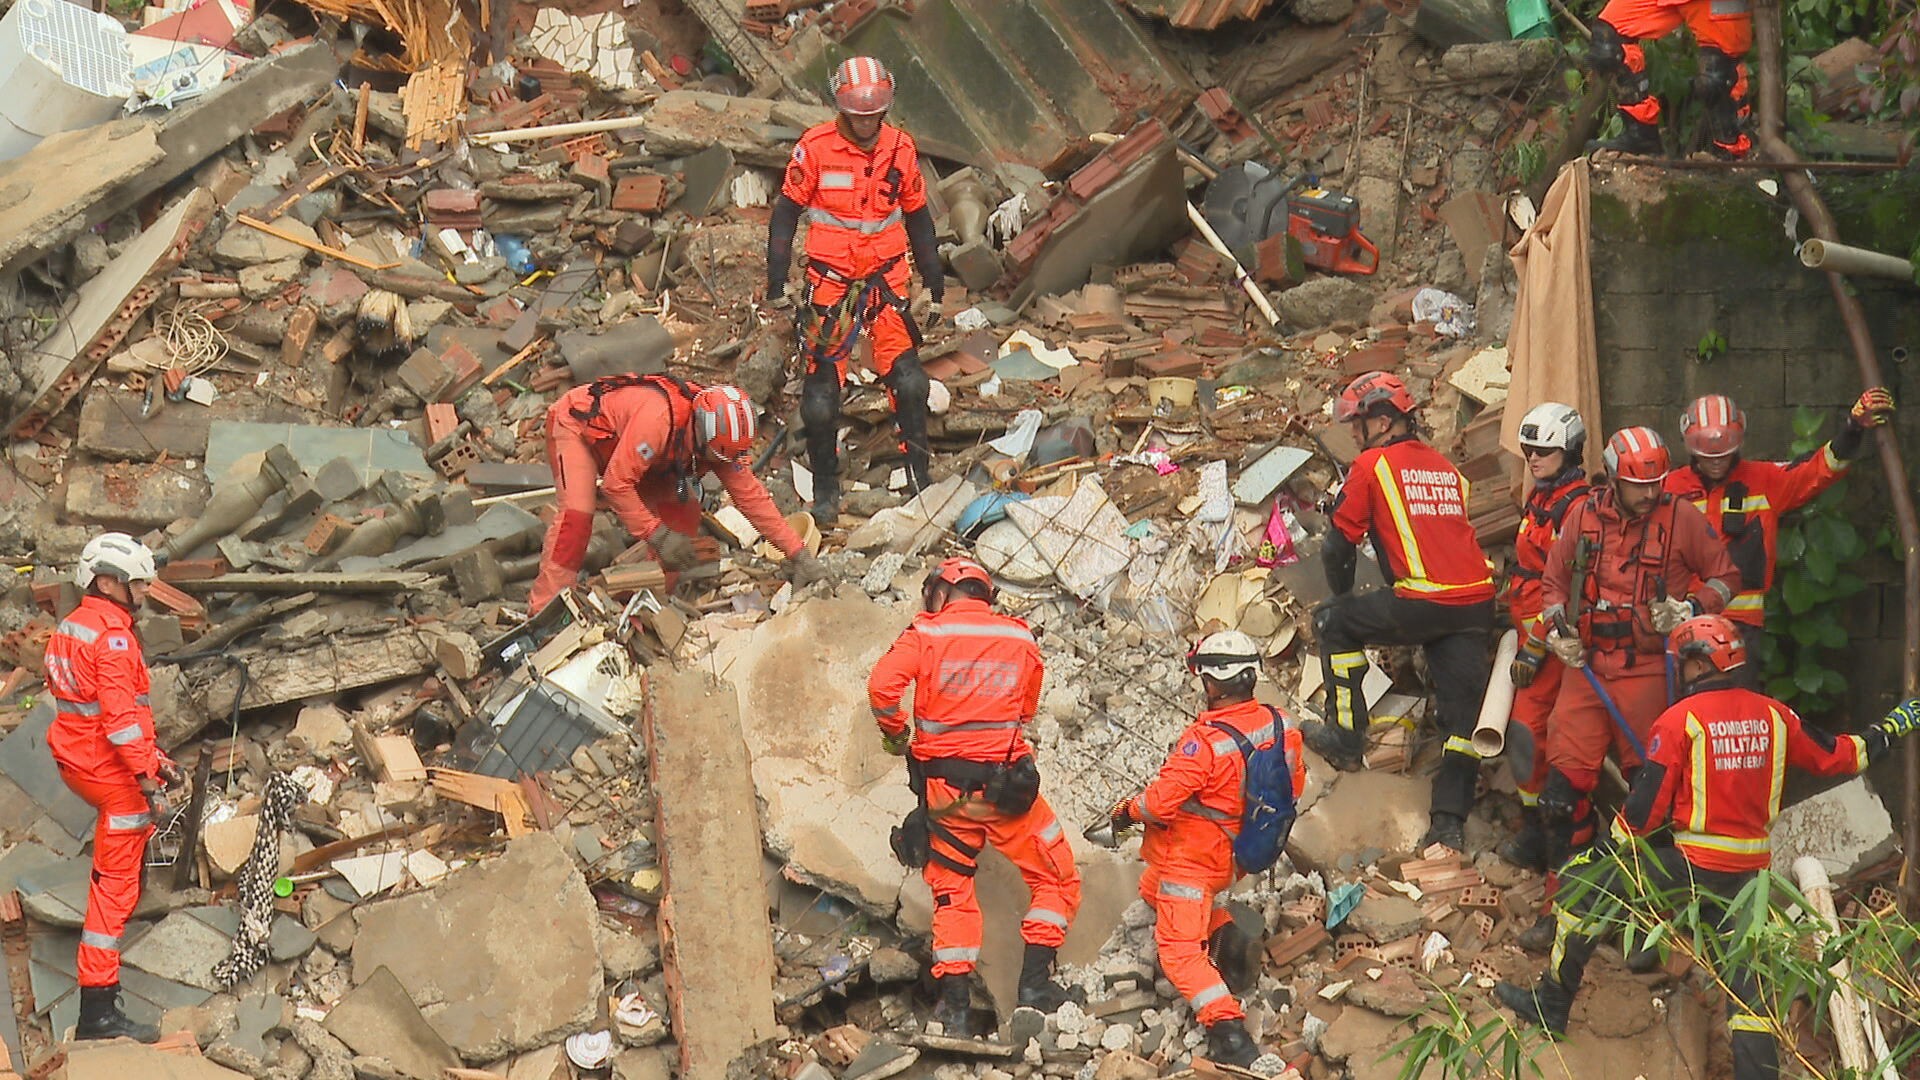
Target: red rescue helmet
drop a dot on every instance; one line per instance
(724, 423)
(1713, 426)
(1713, 637)
(1637, 455)
(862, 86)
(951, 572)
(1365, 394)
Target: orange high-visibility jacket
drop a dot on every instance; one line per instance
(976, 683)
(1192, 808)
(103, 719)
(856, 200)
(1540, 522)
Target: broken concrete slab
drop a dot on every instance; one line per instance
(1362, 810)
(680, 123)
(112, 427)
(715, 903)
(638, 346)
(378, 1019)
(1846, 827)
(180, 949)
(537, 952)
(371, 451)
(1325, 301)
(243, 245)
(24, 757)
(1140, 211)
(35, 217)
(134, 495)
(121, 1059)
(105, 309)
(831, 793)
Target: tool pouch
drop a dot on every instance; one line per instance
(1013, 788)
(910, 841)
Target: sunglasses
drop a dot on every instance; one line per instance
(1539, 451)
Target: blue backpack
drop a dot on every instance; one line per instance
(1266, 793)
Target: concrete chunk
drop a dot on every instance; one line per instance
(1846, 827)
(378, 1019)
(500, 957)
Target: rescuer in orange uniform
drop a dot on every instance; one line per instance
(1723, 30)
(1553, 439)
(102, 741)
(1744, 499)
(1413, 503)
(646, 440)
(857, 181)
(976, 684)
(1650, 562)
(1188, 810)
(1716, 764)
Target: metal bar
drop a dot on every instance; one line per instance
(1767, 49)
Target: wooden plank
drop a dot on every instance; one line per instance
(392, 757)
(295, 238)
(715, 903)
(392, 581)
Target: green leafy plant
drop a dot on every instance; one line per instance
(1804, 621)
(1527, 160)
(1797, 964)
(1711, 346)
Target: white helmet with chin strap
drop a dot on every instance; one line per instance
(1223, 655)
(114, 555)
(1556, 427)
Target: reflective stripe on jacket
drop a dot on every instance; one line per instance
(1745, 508)
(855, 200)
(103, 715)
(976, 682)
(1413, 502)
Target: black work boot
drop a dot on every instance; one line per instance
(1526, 849)
(1447, 829)
(1037, 988)
(101, 1018)
(824, 459)
(1341, 749)
(1538, 938)
(1638, 138)
(1229, 1044)
(907, 385)
(953, 1012)
(1546, 1004)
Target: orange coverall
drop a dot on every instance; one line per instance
(639, 448)
(102, 742)
(1539, 526)
(976, 683)
(856, 202)
(1192, 812)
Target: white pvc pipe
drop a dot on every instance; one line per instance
(1853, 1022)
(1817, 254)
(578, 127)
(1239, 272)
(1496, 708)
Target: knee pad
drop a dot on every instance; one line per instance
(1607, 51)
(1326, 615)
(908, 380)
(1558, 797)
(820, 401)
(1718, 76)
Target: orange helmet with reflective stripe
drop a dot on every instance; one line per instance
(1713, 426)
(1713, 637)
(1637, 455)
(862, 86)
(1376, 388)
(724, 423)
(950, 572)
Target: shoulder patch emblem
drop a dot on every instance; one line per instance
(1190, 748)
(1654, 746)
(645, 450)
(119, 642)
(799, 153)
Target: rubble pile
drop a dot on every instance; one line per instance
(300, 329)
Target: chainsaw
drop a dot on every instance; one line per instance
(1251, 203)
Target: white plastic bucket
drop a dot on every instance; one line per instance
(62, 67)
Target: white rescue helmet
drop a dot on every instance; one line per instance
(114, 555)
(1554, 426)
(1223, 655)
